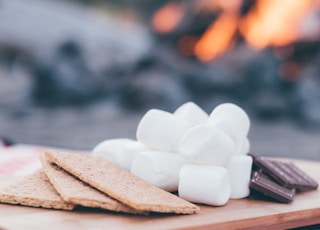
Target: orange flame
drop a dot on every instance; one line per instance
(168, 17)
(268, 23)
(213, 5)
(218, 38)
(274, 22)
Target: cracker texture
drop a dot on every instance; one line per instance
(120, 184)
(75, 191)
(34, 190)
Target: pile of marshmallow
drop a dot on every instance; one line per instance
(202, 156)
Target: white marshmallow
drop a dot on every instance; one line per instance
(232, 120)
(160, 130)
(120, 151)
(239, 168)
(244, 148)
(159, 168)
(205, 184)
(205, 144)
(192, 114)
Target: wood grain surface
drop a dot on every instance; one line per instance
(237, 214)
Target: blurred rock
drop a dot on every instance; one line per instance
(39, 27)
(83, 56)
(153, 88)
(67, 47)
(309, 95)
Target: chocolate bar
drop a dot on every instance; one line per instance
(265, 185)
(286, 174)
(278, 180)
(276, 170)
(303, 181)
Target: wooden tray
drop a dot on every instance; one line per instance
(244, 213)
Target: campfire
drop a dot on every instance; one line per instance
(261, 54)
(269, 49)
(260, 23)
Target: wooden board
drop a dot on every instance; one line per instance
(244, 213)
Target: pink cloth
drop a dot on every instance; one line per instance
(21, 159)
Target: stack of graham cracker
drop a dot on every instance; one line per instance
(67, 180)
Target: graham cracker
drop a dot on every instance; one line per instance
(75, 191)
(120, 184)
(34, 190)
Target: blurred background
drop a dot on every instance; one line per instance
(76, 72)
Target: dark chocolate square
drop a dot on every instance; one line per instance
(268, 187)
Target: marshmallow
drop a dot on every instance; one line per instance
(243, 148)
(160, 130)
(205, 184)
(205, 144)
(158, 168)
(192, 114)
(120, 151)
(232, 120)
(239, 167)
